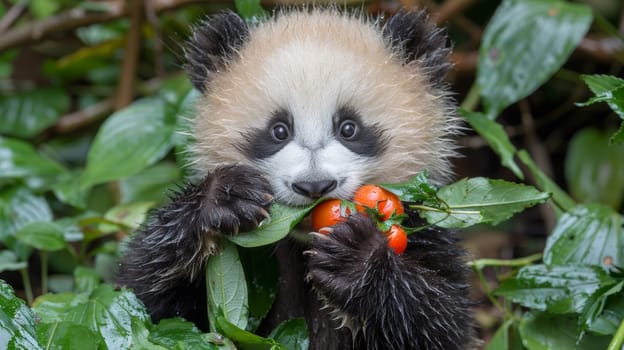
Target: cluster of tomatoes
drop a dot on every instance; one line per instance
(384, 206)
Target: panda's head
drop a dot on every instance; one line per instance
(322, 102)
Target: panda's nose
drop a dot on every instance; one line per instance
(314, 189)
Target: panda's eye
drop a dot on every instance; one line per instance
(280, 131)
(348, 129)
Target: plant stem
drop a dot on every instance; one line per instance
(27, 285)
(527, 260)
(617, 343)
(488, 291)
(472, 98)
(44, 271)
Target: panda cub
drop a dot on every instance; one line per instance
(315, 103)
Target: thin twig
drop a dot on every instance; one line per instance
(125, 88)
(12, 15)
(537, 150)
(37, 30)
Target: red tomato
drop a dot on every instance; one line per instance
(397, 239)
(327, 214)
(375, 197)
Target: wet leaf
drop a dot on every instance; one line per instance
(227, 287)
(590, 235)
(524, 44)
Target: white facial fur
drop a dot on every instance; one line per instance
(311, 65)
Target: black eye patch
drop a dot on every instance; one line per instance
(366, 140)
(264, 142)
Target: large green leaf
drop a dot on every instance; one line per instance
(42, 235)
(67, 335)
(608, 89)
(524, 44)
(226, 286)
(594, 169)
(591, 318)
(506, 337)
(18, 207)
(544, 331)
(17, 322)
(245, 340)
(591, 235)
(556, 289)
(262, 271)
(151, 184)
(29, 112)
(479, 200)
(283, 220)
(171, 333)
(129, 141)
(106, 312)
(19, 160)
(496, 137)
(9, 261)
(292, 334)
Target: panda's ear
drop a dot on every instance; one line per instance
(415, 37)
(214, 41)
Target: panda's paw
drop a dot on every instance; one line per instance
(237, 199)
(341, 263)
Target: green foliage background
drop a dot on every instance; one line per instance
(80, 169)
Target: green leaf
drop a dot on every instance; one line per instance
(9, 261)
(292, 334)
(417, 189)
(42, 235)
(262, 271)
(590, 235)
(514, 60)
(496, 137)
(106, 312)
(44, 8)
(283, 219)
(544, 331)
(556, 289)
(151, 184)
(51, 308)
(141, 132)
(506, 337)
(246, 340)
(67, 335)
(29, 112)
(250, 10)
(595, 170)
(18, 207)
(19, 160)
(176, 333)
(130, 215)
(226, 286)
(17, 322)
(480, 200)
(595, 306)
(608, 89)
(611, 317)
(86, 279)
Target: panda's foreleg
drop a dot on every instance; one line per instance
(164, 261)
(416, 300)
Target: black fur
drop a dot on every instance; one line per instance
(164, 261)
(417, 300)
(260, 144)
(416, 38)
(368, 139)
(213, 43)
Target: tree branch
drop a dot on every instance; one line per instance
(75, 18)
